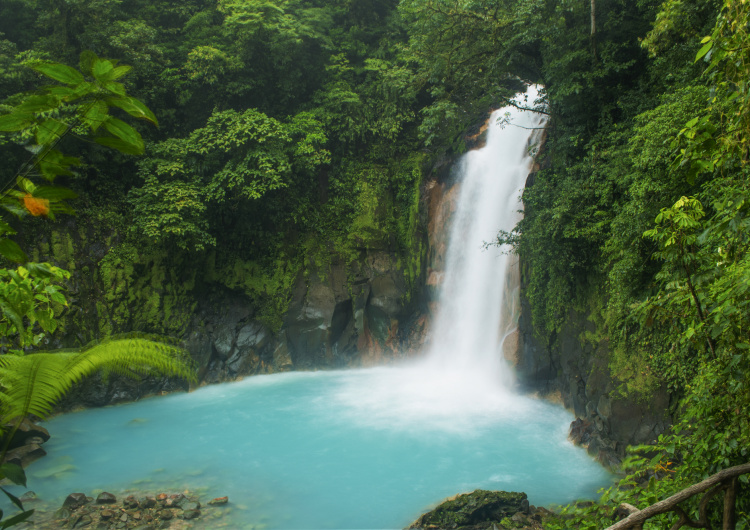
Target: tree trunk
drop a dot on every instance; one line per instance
(593, 27)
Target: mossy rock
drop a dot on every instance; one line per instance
(476, 510)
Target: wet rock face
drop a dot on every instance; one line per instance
(576, 373)
(26, 433)
(347, 316)
(339, 316)
(481, 509)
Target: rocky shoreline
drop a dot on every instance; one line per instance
(143, 511)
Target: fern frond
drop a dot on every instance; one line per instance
(33, 383)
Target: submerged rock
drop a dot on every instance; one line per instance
(480, 509)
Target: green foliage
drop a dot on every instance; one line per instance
(677, 265)
(237, 158)
(460, 62)
(31, 300)
(51, 113)
(207, 64)
(33, 383)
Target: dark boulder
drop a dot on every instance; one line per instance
(27, 433)
(75, 500)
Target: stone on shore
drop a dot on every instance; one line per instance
(106, 498)
(75, 500)
(479, 510)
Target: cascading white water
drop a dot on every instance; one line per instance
(477, 296)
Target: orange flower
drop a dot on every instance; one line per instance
(35, 206)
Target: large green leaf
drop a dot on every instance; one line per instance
(39, 103)
(12, 313)
(86, 61)
(49, 131)
(10, 250)
(13, 498)
(42, 270)
(123, 147)
(54, 193)
(118, 72)
(115, 87)
(59, 72)
(133, 107)
(101, 69)
(125, 133)
(703, 51)
(84, 89)
(62, 92)
(14, 473)
(95, 115)
(15, 122)
(16, 519)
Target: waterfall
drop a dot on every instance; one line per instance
(479, 296)
(462, 383)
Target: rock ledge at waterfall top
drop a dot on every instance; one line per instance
(480, 510)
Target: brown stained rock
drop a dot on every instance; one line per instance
(147, 502)
(130, 503)
(174, 501)
(106, 514)
(106, 498)
(165, 515)
(218, 501)
(81, 520)
(75, 500)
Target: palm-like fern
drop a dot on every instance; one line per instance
(32, 384)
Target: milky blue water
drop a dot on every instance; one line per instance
(320, 450)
